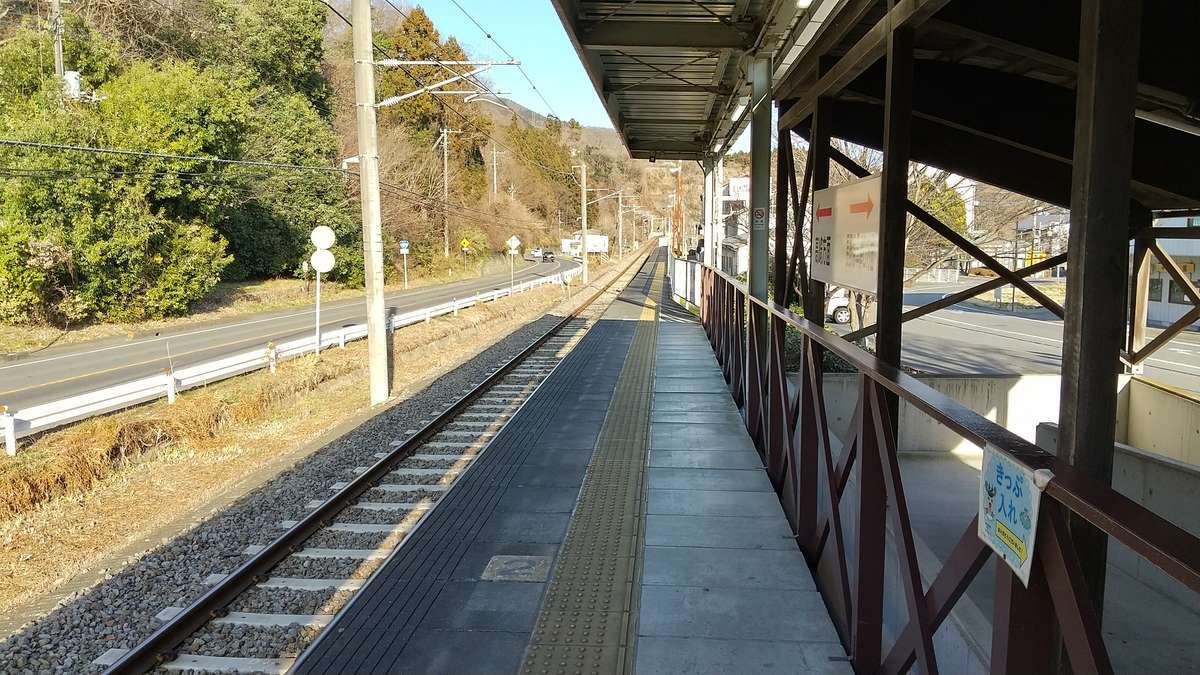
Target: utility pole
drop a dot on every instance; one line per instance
(621, 225)
(445, 141)
(56, 18)
(583, 216)
(445, 192)
(495, 164)
(558, 230)
(368, 154)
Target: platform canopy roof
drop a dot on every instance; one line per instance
(672, 73)
(994, 95)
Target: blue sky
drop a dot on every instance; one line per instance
(531, 32)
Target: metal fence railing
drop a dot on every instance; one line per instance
(15, 424)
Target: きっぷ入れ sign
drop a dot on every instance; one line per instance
(845, 243)
(1010, 495)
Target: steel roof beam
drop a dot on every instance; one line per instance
(665, 35)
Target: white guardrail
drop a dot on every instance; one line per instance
(15, 424)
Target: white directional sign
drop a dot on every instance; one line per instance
(845, 243)
(322, 237)
(513, 243)
(322, 260)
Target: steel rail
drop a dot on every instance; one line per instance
(159, 647)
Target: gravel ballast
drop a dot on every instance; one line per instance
(119, 611)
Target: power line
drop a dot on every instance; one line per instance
(465, 118)
(161, 155)
(506, 53)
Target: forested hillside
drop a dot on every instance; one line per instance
(91, 236)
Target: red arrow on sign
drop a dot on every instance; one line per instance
(825, 212)
(863, 206)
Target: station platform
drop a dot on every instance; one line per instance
(620, 522)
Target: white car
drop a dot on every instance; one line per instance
(837, 307)
(536, 254)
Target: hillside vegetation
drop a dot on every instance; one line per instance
(88, 237)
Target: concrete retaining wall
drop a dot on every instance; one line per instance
(1016, 402)
(1163, 420)
(1167, 487)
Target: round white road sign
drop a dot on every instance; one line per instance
(322, 237)
(322, 260)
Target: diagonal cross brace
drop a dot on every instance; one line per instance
(1011, 276)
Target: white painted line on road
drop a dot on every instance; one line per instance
(175, 336)
(1026, 337)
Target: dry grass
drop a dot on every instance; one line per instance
(71, 461)
(96, 515)
(1056, 291)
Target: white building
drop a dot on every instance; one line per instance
(1168, 302)
(733, 230)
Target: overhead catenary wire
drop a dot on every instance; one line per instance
(467, 119)
(13, 142)
(520, 69)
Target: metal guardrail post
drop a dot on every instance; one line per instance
(169, 376)
(8, 427)
(454, 301)
(342, 338)
(272, 356)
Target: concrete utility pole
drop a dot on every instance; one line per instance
(620, 225)
(57, 20)
(583, 217)
(445, 192)
(495, 163)
(368, 154)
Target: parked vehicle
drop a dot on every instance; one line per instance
(535, 253)
(837, 307)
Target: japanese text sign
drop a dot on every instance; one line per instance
(1009, 496)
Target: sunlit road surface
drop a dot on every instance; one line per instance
(57, 372)
(966, 339)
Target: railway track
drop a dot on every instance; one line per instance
(259, 616)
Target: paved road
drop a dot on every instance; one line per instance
(965, 339)
(54, 373)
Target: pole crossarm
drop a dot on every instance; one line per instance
(393, 100)
(958, 240)
(396, 63)
(958, 297)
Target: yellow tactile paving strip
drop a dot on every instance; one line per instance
(585, 624)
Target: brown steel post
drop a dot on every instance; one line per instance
(893, 201)
(1024, 630)
(814, 306)
(1098, 256)
(783, 168)
(866, 647)
(1139, 290)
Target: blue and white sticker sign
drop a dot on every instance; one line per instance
(403, 247)
(1009, 496)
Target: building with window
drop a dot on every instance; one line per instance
(734, 228)
(1167, 301)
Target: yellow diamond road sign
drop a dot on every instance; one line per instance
(465, 243)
